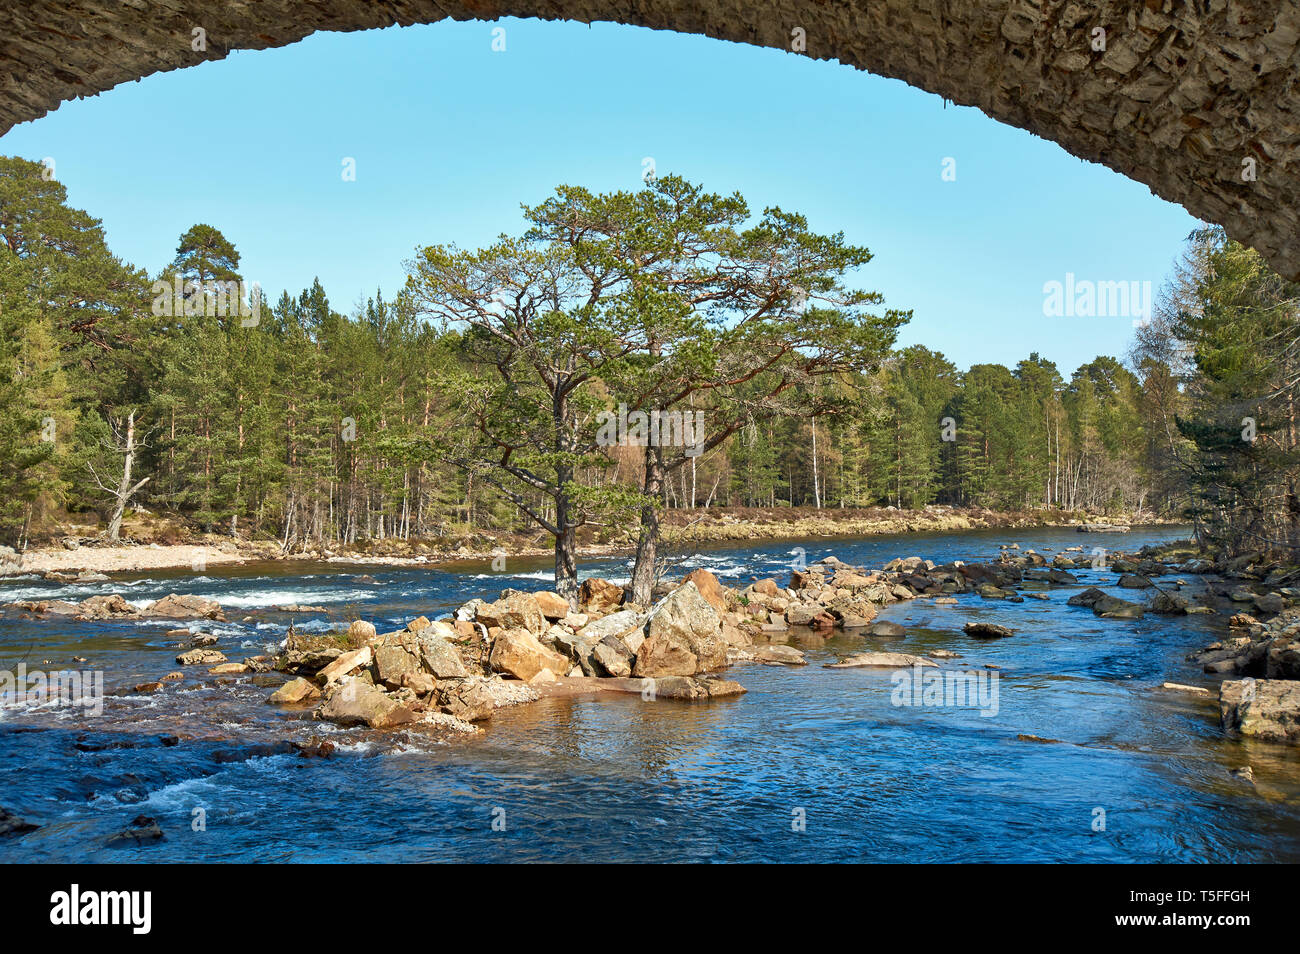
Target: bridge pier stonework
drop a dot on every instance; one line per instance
(1197, 99)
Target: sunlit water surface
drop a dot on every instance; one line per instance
(811, 764)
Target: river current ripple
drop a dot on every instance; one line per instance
(810, 765)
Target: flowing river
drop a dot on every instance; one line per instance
(811, 764)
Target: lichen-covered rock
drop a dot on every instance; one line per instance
(514, 610)
(1266, 709)
(393, 662)
(615, 624)
(439, 657)
(110, 607)
(613, 657)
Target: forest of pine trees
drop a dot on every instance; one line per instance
(312, 427)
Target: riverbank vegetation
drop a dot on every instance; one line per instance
(473, 399)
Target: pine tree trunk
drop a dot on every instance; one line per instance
(647, 544)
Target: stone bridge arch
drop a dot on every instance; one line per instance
(1197, 99)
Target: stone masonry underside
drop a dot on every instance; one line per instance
(1184, 93)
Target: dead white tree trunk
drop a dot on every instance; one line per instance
(124, 444)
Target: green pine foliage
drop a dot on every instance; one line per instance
(285, 419)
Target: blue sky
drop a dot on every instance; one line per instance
(449, 137)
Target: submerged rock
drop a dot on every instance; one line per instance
(679, 688)
(886, 629)
(880, 661)
(780, 655)
(1111, 607)
(987, 631)
(11, 825)
(143, 831)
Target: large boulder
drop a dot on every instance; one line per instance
(851, 579)
(359, 703)
(1283, 659)
(613, 657)
(597, 596)
(359, 631)
(514, 610)
(709, 588)
(552, 605)
(393, 662)
(519, 653)
(1261, 708)
(439, 656)
(615, 624)
(1169, 602)
(683, 636)
(803, 614)
(295, 692)
(184, 607)
(470, 701)
(1269, 603)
